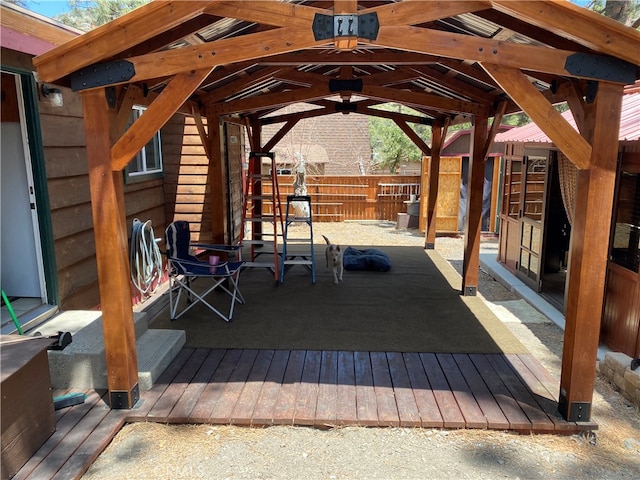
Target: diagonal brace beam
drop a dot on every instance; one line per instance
(158, 113)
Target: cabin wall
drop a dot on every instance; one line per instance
(186, 183)
(620, 328)
(64, 146)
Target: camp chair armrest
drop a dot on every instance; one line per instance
(217, 247)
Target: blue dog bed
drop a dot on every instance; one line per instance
(370, 259)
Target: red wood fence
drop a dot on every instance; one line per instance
(339, 198)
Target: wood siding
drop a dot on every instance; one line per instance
(620, 328)
(621, 314)
(186, 178)
(186, 182)
(68, 183)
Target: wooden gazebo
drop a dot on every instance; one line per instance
(232, 61)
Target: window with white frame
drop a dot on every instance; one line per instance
(147, 164)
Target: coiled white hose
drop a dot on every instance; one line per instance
(145, 258)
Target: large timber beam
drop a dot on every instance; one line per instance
(108, 40)
(210, 55)
(543, 113)
(110, 231)
(279, 135)
(577, 24)
(588, 258)
(476, 49)
(430, 185)
(413, 136)
(217, 179)
(158, 113)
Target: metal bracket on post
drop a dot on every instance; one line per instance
(102, 75)
(592, 91)
(110, 94)
(601, 67)
(575, 411)
(365, 26)
(470, 291)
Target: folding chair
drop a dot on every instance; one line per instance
(184, 268)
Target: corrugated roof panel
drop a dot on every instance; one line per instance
(629, 125)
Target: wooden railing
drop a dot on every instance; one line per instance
(339, 198)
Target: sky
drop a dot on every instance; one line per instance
(48, 8)
(51, 8)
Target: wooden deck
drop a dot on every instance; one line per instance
(316, 388)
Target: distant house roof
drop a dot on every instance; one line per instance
(459, 144)
(28, 32)
(629, 125)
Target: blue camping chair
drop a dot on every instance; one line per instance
(184, 268)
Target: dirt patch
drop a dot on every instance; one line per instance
(152, 451)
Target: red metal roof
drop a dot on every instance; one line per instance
(629, 125)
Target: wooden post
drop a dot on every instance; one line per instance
(217, 179)
(434, 176)
(473, 223)
(110, 230)
(588, 260)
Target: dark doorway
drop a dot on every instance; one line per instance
(486, 194)
(557, 231)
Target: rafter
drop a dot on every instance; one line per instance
(576, 23)
(108, 40)
(244, 82)
(359, 57)
(423, 100)
(316, 112)
(477, 49)
(220, 52)
(280, 99)
(417, 12)
(279, 14)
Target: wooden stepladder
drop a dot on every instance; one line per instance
(298, 250)
(262, 215)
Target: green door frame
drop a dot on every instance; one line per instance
(32, 120)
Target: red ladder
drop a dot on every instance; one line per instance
(263, 241)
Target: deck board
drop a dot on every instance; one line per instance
(385, 398)
(346, 389)
(244, 407)
(428, 409)
(451, 415)
(517, 419)
(285, 408)
(320, 388)
(181, 413)
(270, 391)
(307, 397)
(488, 405)
(367, 407)
(326, 410)
(408, 412)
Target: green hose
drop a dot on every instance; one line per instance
(11, 312)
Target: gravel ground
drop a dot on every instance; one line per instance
(153, 451)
